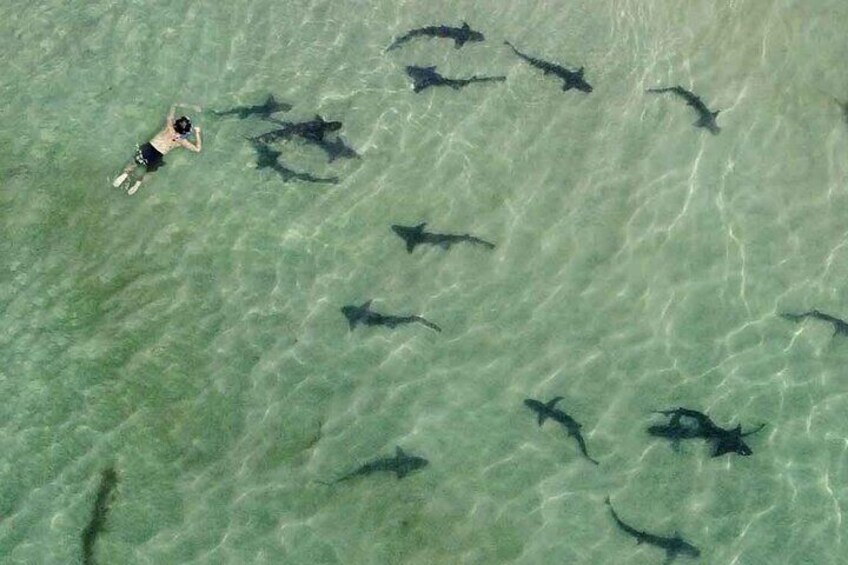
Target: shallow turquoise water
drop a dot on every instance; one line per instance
(190, 335)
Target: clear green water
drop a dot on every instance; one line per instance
(190, 335)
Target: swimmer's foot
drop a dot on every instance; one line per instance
(134, 187)
(120, 180)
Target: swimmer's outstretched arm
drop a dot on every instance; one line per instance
(193, 146)
(173, 109)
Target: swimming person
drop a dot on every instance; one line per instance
(150, 154)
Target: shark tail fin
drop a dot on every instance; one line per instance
(792, 317)
(428, 323)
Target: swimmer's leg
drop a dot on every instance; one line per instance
(119, 180)
(137, 185)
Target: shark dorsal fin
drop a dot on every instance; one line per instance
(465, 26)
(420, 227)
(366, 305)
(580, 72)
(271, 101)
(715, 114)
(433, 68)
(399, 452)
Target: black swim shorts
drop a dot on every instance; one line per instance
(149, 156)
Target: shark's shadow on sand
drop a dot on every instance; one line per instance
(570, 79)
(264, 110)
(269, 158)
(314, 132)
(840, 327)
(674, 546)
(426, 77)
(97, 523)
(401, 465)
(690, 424)
(414, 236)
(706, 117)
(460, 35)
(363, 315)
(545, 410)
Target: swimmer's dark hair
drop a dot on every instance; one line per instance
(182, 126)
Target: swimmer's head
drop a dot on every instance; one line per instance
(182, 125)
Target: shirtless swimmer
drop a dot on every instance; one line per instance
(150, 154)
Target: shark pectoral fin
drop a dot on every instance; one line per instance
(401, 473)
(541, 418)
(755, 430)
(553, 402)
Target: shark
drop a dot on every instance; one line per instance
(699, 425)
(364, 315)
(546, 410)
(460, 35)
(839, 326)
(674, 546)
(268, 158)
(311, 130)
(706, 117)
(269, 107)
(415, 235)
(401, 465)
(97, 523)
(425, 77)
(570, 79)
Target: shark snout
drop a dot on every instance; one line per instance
(419, 462)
